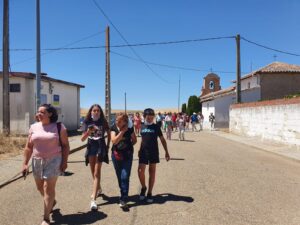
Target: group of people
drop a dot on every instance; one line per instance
(173, 122)
(48, 146)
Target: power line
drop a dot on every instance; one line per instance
(269, 48)
(127, 45)
(124, 39)
(56, 49)
(171, 66)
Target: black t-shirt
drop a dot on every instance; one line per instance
(125, 146)
(149, 134)
(97, 136)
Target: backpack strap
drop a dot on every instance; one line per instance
(58, 130)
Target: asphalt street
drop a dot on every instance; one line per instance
(210, 180)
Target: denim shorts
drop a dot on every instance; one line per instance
(46, 168)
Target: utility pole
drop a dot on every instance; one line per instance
(38, 56)
(107, 77)
(238, 69)
(6, 105)
(179, 93)
(125, 104)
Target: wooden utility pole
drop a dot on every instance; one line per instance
(6, 105)
(38, 56)
(107, 77)
(238, 69)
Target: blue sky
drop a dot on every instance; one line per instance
(274, 23)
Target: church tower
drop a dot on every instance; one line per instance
(211, 83)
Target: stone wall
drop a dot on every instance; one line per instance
(276, 120)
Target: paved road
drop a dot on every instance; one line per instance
(210, 181)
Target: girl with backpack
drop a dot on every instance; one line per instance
(48, 145)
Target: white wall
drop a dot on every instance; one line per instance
(222, 110)
(22, 104)
(220, 106)
(69, 115)
(207, 108)
(254, 82)
(272, 122)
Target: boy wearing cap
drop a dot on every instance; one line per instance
(149, 153)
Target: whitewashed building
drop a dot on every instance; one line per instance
(63, 95)
(273, 81)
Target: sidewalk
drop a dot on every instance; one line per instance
(11, 168)
(292, 152)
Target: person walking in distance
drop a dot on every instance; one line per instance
(194, 120)
(169, 125)
(48, 145)
(212, 119)
(181, 127)
(95, 127)
(201, 120)
(159, 120)
(123, 139)
(174, 124)
(187, 122)
(149, 153)
(137, 124)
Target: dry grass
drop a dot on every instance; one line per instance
(11, 146)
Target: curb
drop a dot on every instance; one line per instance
(259, 148)
(19, 175)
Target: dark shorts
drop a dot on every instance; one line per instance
(96, 152)
(146, 157)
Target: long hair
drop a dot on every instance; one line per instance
(102, 118)
(53, 111)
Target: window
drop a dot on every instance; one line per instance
(211, 85)
(207, 106)
(43, 99)
(15, 87)
(249, 85)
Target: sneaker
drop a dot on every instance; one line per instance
(123, 204)
(149, 198)
(94, 206)
(143, 194)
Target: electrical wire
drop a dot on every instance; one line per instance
(171, 66)
(126, 45)
(56, 49)
(125, 40)
(269, 48)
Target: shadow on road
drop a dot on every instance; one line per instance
(133, 201)
(175, 159)
(183, 140)
(78, 218)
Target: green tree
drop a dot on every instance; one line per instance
(193, 105)
(183, 108)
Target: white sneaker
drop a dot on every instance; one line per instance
(123, 204)
(94, 205)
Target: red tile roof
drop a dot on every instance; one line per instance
(275, 67)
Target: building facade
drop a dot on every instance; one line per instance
(64, 96)
(273, 81)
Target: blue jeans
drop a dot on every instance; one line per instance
(123, 170)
